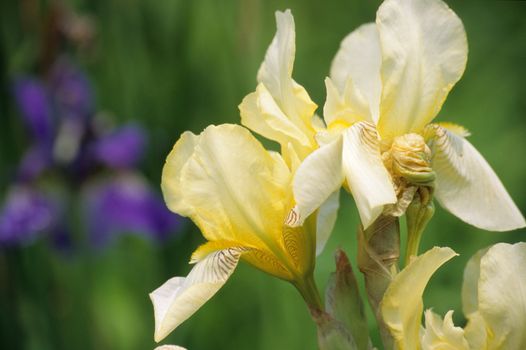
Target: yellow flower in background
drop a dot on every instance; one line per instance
(239, 196)
(493, 298)
(388, 82)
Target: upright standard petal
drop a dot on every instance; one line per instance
(402, 303)
(442, 334)
(358, 61)
(365, 173)
(468, 187)
(502, 295)
(180, 297)
(280, 109)
(424, 53)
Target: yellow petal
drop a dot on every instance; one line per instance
(468, 187)
(276, 73)
(171, 176)
(260, 112)
(442, 334)
(345, 109)
(180, 297)
(424, 53)
(230, 183)
(358, 61)
(502, 295)
(402, 304)
(364, 170)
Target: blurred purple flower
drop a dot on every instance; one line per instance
(126, 204)
(34, 162)
(25, 215)
(71, 90)
(121, 148)
(35, 108)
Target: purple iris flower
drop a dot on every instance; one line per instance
(35, 108)
(122, 148)
(59, 111)
(25, 215)
(126, 203)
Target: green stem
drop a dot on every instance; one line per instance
(308, 290)
(418, 215)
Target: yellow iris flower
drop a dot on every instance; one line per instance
(493, 298)
(388, 81)
(239, 195)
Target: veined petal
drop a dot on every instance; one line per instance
(402, 304)
(318, 176)
(276, 73)
(442, 334)
(358, 61)
(424, 53)
(502, 295)
(364, 170)
(326, 219)
(180, 297)
(468, 187)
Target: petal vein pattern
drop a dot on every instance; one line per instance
(468, 187)
(180, 297)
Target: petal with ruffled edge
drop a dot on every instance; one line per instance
(468, 187)
(442, 334)
(364, 170)
(180, 297)
(402, 303)
(355, 70)
(502, 295)
(424, 53)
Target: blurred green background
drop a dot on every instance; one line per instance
(176, 65)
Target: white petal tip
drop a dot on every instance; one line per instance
(294, 218)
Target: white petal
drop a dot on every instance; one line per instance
(502, 295)
(442, 334)
(424, 53)
(468, 187)
(470, 284)
(369, 181)
(318, 176)
(358, 60)
(180, 297)
(326, 219)
(402, 303)
(169, 347)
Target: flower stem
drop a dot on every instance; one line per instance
(308, 290)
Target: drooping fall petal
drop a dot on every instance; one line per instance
(180, 297)
(365, 173)
(468, 187)
(424, 53)
(402, 303)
